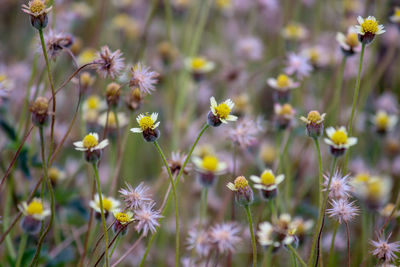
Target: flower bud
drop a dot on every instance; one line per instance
(113, 93)
(39, 110)
(134, 99)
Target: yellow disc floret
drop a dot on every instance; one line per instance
(90, 141)
(339, 137)
(375, 188)
(267, 178)
(198, 63)
(369, 26)
(210, 163)
(222, 110)
(382, 120)
(352, 39)
(286, 109)
(314, 117)
(241, 183)
(93, 102)
(282, 81)
(362, 177)
(146, 123)
(36, 6)
(112, 121)
(122, 217)
(107, 204)
(54, 174)
(35, 207)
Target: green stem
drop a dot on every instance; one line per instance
(21, 249)
(333, 110)
(203, 205)
(320, 171)
(253, 240)
(330, 256)
(297, 255)
(103, 219)
(53, 94)
(318, 229)
(175, 200)
(115, 245)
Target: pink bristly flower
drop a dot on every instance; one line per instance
(225, 236)
(384, 250)
(135, 197)
(244, 134)
(147, 219)
(299, 65)
(343, 210)
(199, 240)
(143, 78)
(109, 64)
(339, 186)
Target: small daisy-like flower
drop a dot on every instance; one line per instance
(109, 204)
(384, 250)
(34, 209)
(148, 126)
(112, 120)
(199, 65)
(395, 18)
(147, 219)
(134, 99)
(143, 78)
(282, 83)
(301, 226)
(387, 210)
(113, 93)
(338, 140)
(243, 192)
(208, 168)
(225, 237)
(276, 235)
(135, 198)
(343, 210)
(266, 235)
(86, 56)
(176, 162)
(349, 43)
(220, 113)
(384, 122)
(244, 134)
(249, 48)
(56, 42)
(294, 31)
(56, 175)
(298, 65)
(284, 115)
(267, 183)
(199, 240)
(315, 125)
(122, 219)
(109, 64)
(94, 102)
(38, 11)
(317, 55)
(90, 143)
(368, 28)
(340, 189)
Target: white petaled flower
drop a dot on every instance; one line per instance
(123, 217)
(343, 210)
(109, 64)
(267, 180)
(395, 18)
(34, 209)
(36, 8)
(349, 42)
(225, 237)
(199, 240)
(135, 197)
(147, 219)
(383, 121)
(209, 164)
(223, 110)
(282, 82)
(112, 120)
(266, 235)
(300, 226)
(338, 138)
(146, 122)
(143, 78)
(95, 103)
(369, 25)
(90, 143)
(340, 188)
(199, 65)
(384, 250)
(109, 204)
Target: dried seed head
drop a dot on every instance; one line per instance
(39, 110)
(113, 93)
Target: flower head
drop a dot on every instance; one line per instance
(395, 18)
(220, 113)
(282, 83)
(199, 65)
(123, 217)
(267, 183)
(338, 140)
(34, 209)
(112, 120)
(143, 78)
(38, 10)
(209, 164)
(314, 123)
(176, 161)
(284, 115)
(244, 134)
(243, 192)
(148, 126)
(384, 250)
(135, 197)
(109, 204)
(368, 28)
(225, 237)
(56, 175)
(384, 122)
(90, 143)
(294, 31)
(199, 240)
(109, 64)
(147, 218)
(348, 43)
(39, 110)
(56, 42)
(298, 65)
(339, 188)
(343, 210)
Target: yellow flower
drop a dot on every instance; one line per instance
(383, 121)
(338, 138)
(369, 25)
(313, 117)
(146, 123)
(199, 65)
(223, 110)
(267, 180)
(109, 204)
(90, 142)
(88, 55)
(240, 183)
(35, 209)
(209, 164)
(123, 217)
(36, 8)
(294, 31)
(282, 82)
(395, 18)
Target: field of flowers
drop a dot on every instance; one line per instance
(199, 133)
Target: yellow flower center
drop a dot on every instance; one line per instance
(339, 137)
(397, 12)
(314, 117)
(112, 121)
(241, 182)
(382, 120)
(198, 63)
(93, 102)
(352, 39)
(222, 110)
(90, 141)
(54, 174)
(370, 26)
(362, 177)
(3, 77)
(282, 81)
(293, 30)
(375, 188)
(146, 123)
(87, 56)
(122, 217)
(37, 6)
(314, 55)
(107, 204)
(267, 178)
(223, 3)
(388, 208)
(210, 163)
(286, 109)
(35, 207)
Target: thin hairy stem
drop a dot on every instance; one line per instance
(253, 239)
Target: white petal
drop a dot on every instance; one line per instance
(213, 102)
(351, 141)
(156, 125)
(279, 179)
(231, 118)
(136, 130)
(272, 82)
(360, 19)
(154, 116)
(255, 179)
(231, 186)
(330, 131)
(78, 144)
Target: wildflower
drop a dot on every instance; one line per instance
(135, 198)
(374, 190)
(242, 190)
(38, 11)
(220, 113)
(91, 108)
(109, 64)
(301, 227)
(395, 18)
(167, 52)
(249, 48)
(199, 66)
(109, 205)
(343, 210)
(225, 237)
(284, 115)
(244, 134)
(176, 161)
(148, 127)
(315, 125)
(267, 153)
(112, 120)
(56, 42)
(34, 213)
(299, 65)
(384, 250)
(294, 31)
(121, 221)
(147, 218)
(387, 210)
(208, 167)
(91, 146)
(86, 80)
(113, 92)
(338, 140)
(368, 28)
(340, 189)
(349, 43)
(282, 86)
(317, 56)
(267, 183)
(384, 122)
(199, 240)
(143, 78)
(276, 236)
(40, 113)
(134, 99)
(56, 175)
(86, 56)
